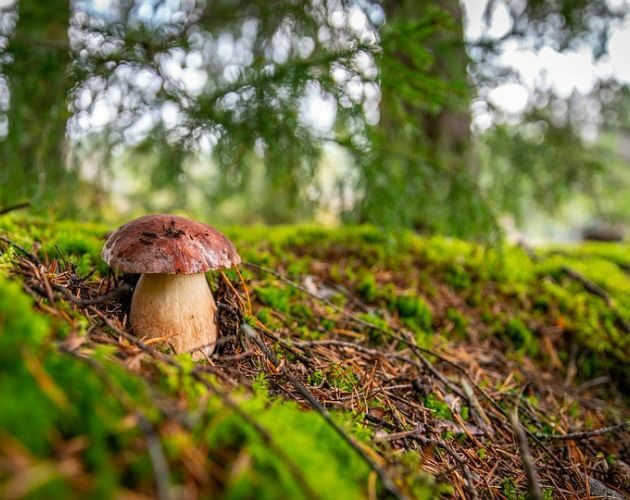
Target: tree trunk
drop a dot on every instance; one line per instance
(33, 151)
(421, 155)
(447, 132)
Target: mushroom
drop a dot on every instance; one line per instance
(172, 299)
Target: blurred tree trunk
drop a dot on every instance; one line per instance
(447, 132)
(433, 144)
(38, 81)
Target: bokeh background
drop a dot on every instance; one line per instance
(478, 119)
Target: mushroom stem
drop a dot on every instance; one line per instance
(177, 307)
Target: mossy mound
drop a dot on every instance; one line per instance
(349, 312)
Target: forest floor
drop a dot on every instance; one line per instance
(352, 363)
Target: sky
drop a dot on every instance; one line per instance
(565, 72)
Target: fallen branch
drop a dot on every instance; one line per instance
(387, 482)
(533, 483)
(591, 286)
(598, 291)
(115, 293)
(17, 206)
(575, 436)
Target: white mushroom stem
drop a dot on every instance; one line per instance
(178, 308)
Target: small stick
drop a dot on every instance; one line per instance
(535, 492)
(597, 290)
(460, 462)
(231, 286)
(158, 459)
(97, 300)
(479, 414)
(33, 258)
(249, 301)
(17, 206)
(585, 434)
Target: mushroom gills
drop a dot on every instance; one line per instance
(179, 308)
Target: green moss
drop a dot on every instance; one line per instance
(367, 288)
(331, 467)
(441, 409)
(60, 397)
(457, 277)
(316, 378)
(413, 310)
(617, 253)
(8, 259)
(542, 303)
(298, 267)
(301, 312)
(465, 413)
(341, 377)
(72, 400)
(459, 321)
(511, 492)
(509, 489)
(475, 296)
(275, 297)
(265, 316)
(375, 334)
(304, 332)
(521, 337)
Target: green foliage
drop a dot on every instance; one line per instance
(32, 151)
(413, 310)
(275, 297)
(459, 320)
(441, 409)
(521, 336)
(240, 144)
(541, 163)
(367, 287)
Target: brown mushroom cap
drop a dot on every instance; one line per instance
(168, 244)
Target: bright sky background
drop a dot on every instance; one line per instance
(565, 72)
